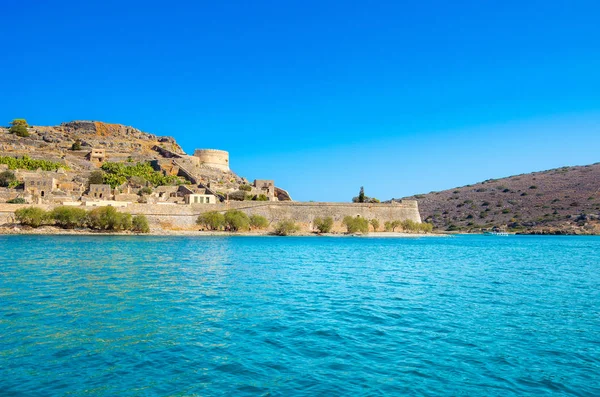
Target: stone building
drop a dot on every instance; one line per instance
(100, 191)
(213, 158)
(200, 199)
(97, 156)
(40, 187)
(266, 187)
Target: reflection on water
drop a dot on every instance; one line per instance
(105, 315)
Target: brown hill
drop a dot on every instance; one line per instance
(562, 200)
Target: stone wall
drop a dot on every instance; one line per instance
(183, 217)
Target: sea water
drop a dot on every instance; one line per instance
(299, 316)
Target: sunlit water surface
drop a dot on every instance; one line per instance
(143, 316)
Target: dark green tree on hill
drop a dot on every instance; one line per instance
(19, 127)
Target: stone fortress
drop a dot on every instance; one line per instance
(210, 185)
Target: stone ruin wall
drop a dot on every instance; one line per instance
(183, 217)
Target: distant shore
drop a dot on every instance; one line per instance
(50, 230)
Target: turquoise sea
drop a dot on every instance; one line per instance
(299, 316)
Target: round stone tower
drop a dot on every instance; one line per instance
(213, 158)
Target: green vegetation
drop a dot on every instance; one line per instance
(408, 226)
(356, 225)
(7, 178)
(258, 222)
(245, 188)
(145, 190)
(108, 218)
(361, 198)
(324, 225)
(19, 127)
(18, 200)
(69, 217)
(27, 163)
(375, 224)
(286, 227)
(212, 220)
(76, 145)
(139, 224)
(236, 220)
(361, 195)
(260, 197)
(96, 178)
(238, 195)
(119, 173)
(32, 216)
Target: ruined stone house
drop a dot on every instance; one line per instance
(266, 187)
(100, 191)
(41, 187)
(97, 156)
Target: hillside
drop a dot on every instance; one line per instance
(562, 200)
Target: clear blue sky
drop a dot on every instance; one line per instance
(322, 96)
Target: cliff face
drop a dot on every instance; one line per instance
(563, 200)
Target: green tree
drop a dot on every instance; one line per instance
(375, 224)
(323, 225)
(32, 216)
(7, 178)
(22, 122)
(69, 217)
(108, 218)
(356, 225)
(139, 224)
(76, 145)
(96, 178)
(236, 221)
(212, 220)
(19, 130)
(286, 227)
(387, 226)
(258, 222)
(361, 195)
(238, 195)
(245, 188)
(396, 224)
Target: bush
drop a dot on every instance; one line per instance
(108, 218)
(356, 225)
(7, 178)
(261, 197)
(96, 178)
(375, 224)
(69, 217)
(213, 220)
(118, 173)
(245, 188)
(324, 225)
(18, 200)
(145, 190)
(139, 224)
(19, 130)
(258, 222)
(388, 226)
(286, 227)
(76, 145)
(32, 216)
(236, 220)
(238, 195)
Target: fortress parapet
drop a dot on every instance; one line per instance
(213, 158)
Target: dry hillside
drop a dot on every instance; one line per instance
(562, 200)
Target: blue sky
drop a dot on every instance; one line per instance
(322, 96)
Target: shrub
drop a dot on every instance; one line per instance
(261, 197)
(355, 225)
(108, 218)
(323, 225)
(96, 178)
(375, 224)
(212, 220)
(137, 181)
(32, 216)
(145, 190)
(387, 226)
(286, 227)
(76, 145)
(18, 200)
(118, 173)
(238, 195)
(236, 220)
(395, 224)
(258, 222)
(69, 217)
(139, 224)
(245, 188)
(19, 128)
(7, 178)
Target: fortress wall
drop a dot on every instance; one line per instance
(213, 158)
(183, 217)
